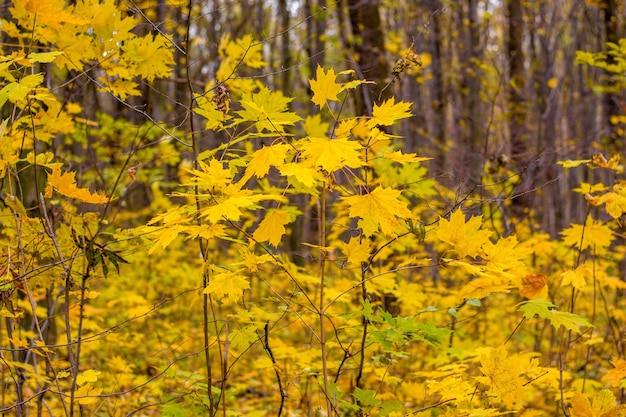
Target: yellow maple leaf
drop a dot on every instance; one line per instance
(452, 387)
(324, 86)
(227, 286)
(120, 87)
(592, 234)
(263, 159)
(505, 254)
(577, 277)
(272, 227)
(600, 161)
(618, 373)
(230, 208)
(601, 405)
(314, 126)
(332, 154)
(65, 184)
(211, 176)
(87, 376)
(378, 209)
(268, 110)
(87, 394)
(149, 56)
(387, 113)
(466, 237)
(502, 373)
(614, 201)
(50, 12)
(403, 158)
(573, 163)
(300, 174)
(357, 250)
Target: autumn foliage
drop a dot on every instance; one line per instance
(304, 264)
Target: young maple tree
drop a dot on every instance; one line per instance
(304, 265)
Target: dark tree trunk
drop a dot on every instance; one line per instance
(517, 108)
(437, 89)
(285, 55)
(612, 105)
(469, 169)
(369, 45)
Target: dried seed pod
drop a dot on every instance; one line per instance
(221, 98)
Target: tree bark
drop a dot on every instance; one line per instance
(469, 169)
(611, 100)
(517, 108)
(369, 45)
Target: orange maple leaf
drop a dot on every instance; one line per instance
(535, 285)
(618, 373)
(65, 184)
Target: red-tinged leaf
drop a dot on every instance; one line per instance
(535, 286)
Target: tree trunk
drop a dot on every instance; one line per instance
(285, 55)
(369, 45)
(611, 100)
(469, 169)
(517, 107)
(437, 90)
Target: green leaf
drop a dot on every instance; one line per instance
(368, 312)
(431, 334)
(366, 398)
(475, 302)
(539, 307)
(388, 407)
(570, 321)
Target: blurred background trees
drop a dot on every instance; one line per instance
(498, 96)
